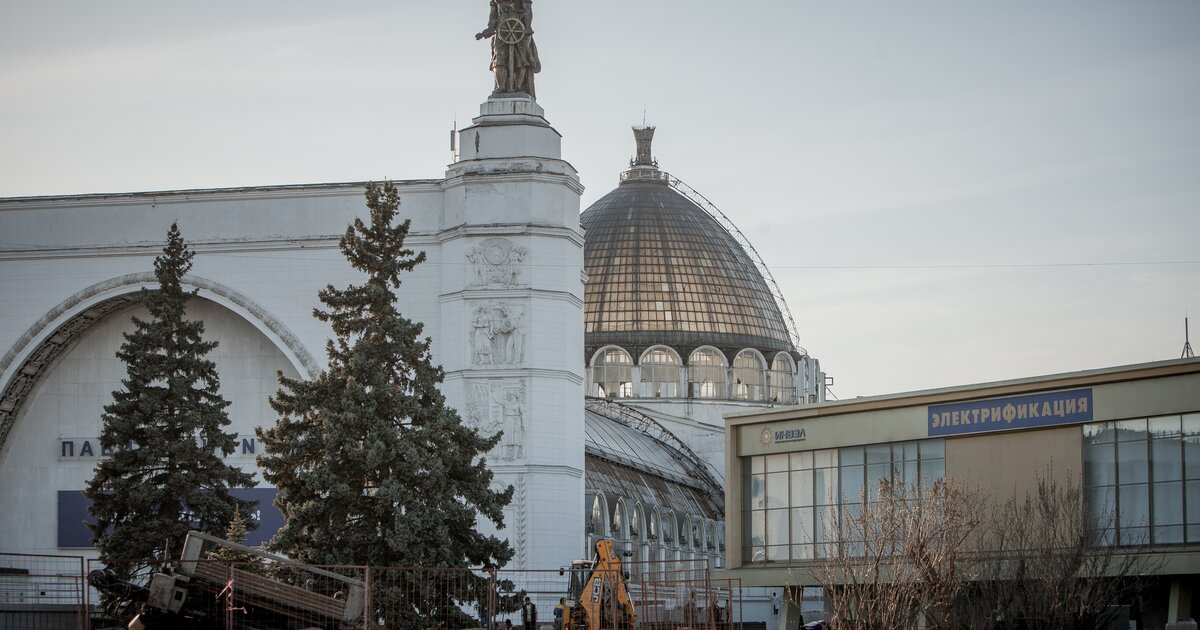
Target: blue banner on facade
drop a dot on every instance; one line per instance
(1018, 412)
(73, 517)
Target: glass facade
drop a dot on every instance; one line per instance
(1142, 480)
(793, 503)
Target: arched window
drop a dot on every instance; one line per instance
(612, 373)
(619, 522)
(720, 544)
(660, 373)
(783, 379)
(706, 373)
(598, 524)
(749, 376)
(637, 539)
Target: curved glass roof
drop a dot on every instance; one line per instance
(661, 270)
(624, 461)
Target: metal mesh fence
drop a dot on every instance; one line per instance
(273, 594)
(41, 592)
(683, 594)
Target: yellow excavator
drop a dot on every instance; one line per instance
(597, 598)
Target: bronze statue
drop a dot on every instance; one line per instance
(514, 55)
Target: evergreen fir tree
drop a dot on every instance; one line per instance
(166, 432)
(371, 465)
(239, 527)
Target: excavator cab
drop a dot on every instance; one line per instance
(579, 572)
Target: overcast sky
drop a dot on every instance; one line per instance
(947, 192)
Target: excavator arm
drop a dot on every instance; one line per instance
(602, 601)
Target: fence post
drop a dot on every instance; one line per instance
(368, 608)
(708, 601)
(83, 589)
(491, 606)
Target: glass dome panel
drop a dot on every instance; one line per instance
(661, 270)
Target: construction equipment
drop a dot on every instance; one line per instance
(597, 596)
(200, 593)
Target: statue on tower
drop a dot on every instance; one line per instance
(514, 55)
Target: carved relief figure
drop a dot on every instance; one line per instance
(481, 341)
(496, 263)
(514, 54)
(476, 258)
(512, 409)
(500, 405)
(498, 336)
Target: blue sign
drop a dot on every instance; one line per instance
(73, 517)
(1018, 412)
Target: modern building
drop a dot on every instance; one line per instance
(1130, 435)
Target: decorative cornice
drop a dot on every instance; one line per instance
(521, 176)
(154, 198)
(510, 230)
(223, 246)
(509, 294)
(478, 373)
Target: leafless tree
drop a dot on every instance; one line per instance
(942, 553)
(901, 555)
(1043, 568)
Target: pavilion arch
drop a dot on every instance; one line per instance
(610, 373)
(638, 538)
(660, 370)
(782, 379)
(720, 542)
(56, 331)
(620, 520)
(749, 376)
(622, 530)
(670, 536)
(708, 373)
(597, 518)
(654, 537)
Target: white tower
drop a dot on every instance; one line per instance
(512, 318)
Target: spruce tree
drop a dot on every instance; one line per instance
(373, 468)
(166, 432)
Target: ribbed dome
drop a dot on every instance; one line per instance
(661, 270)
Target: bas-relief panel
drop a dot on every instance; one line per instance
(495, 405)
(497, 335)
(496, 264)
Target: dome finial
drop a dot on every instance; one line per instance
(643, 135)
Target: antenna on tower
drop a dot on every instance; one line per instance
(454, 139)
(1187, 343)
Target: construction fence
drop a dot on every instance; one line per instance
(42, 592)
(279, 595)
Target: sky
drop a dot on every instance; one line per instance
(946, 192)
